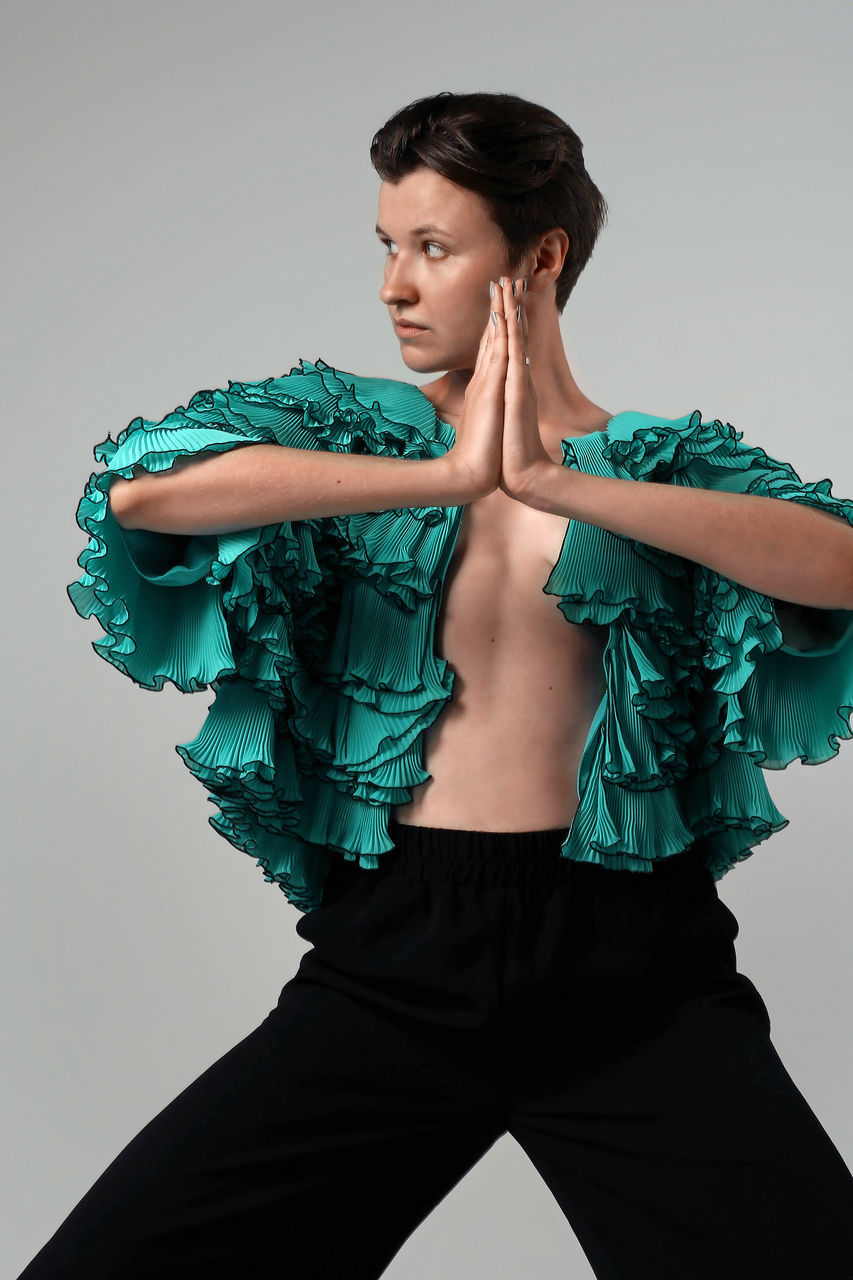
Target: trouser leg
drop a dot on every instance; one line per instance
(312, 1148)
(693, 1153)
(660, 1114)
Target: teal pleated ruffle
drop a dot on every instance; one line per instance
(313, 733)
(702, 684)
(317, 636)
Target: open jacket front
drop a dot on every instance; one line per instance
(317, 637)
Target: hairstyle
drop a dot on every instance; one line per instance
(521, 158)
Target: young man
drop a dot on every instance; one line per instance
(409, 731)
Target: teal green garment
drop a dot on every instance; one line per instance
(317, 638)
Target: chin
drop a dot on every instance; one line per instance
(419, 361)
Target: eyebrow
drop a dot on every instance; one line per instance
(428, 229)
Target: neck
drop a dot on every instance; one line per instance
(563, 407)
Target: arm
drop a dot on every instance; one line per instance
(780, 548)
(781, 542)
(270, 483)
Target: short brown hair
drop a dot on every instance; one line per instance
(521, 158)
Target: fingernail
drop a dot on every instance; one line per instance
(524, 287)
(514, 294)
(494, 319)
(491, 288)
(518, 313)
(502, 281)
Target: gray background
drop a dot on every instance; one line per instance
(189, 199)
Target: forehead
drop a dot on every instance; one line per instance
(424, 197)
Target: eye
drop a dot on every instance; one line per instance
(430, 244)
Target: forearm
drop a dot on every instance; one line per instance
(781, 548)
(260, 484)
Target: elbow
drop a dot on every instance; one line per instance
(844, 576)
(849, 604)
(119, 497)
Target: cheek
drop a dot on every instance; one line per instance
(464, 305)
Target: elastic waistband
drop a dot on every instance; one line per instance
(490, 857)
(505, 857)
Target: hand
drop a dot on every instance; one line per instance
(522, 451)
(476, 450)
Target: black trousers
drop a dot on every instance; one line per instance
(477, 984)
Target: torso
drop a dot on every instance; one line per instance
(504, 753)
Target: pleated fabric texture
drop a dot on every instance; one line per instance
(317, 637)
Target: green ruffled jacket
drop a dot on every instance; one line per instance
(317, 637)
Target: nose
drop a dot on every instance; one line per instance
(397, 287)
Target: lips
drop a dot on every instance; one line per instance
(408, 324)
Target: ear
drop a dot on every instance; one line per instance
(546, 260)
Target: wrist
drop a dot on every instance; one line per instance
(462, 485)
(533, 487)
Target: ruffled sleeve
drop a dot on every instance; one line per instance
(314, 730)
(779, 675)
(162, 599)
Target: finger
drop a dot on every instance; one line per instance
(484, 349)
(499, 344)
(524, 334)
(485, 343)
(509, 311)
(525, 346)
(515, 343)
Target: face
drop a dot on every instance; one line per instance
(438, 278)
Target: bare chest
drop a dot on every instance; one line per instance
(512, 649)
(504, 753)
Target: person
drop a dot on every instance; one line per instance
(495, 671)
